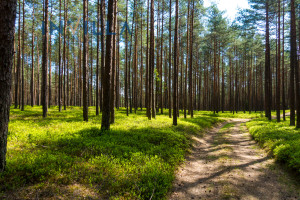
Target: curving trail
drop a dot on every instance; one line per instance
(227, 164)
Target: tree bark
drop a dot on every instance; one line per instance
(97, 61)
(8, 10)
(32, 61)
(44, 63)
(108, 66)
(170, 61)
(278, 66)
(268, 85)
(102, 14)
(175, 80)
(297, 74)
(151, 61)
(23, 58)
(85, 62)
(293, 62)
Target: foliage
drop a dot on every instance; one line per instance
(283, 140)
(134, 160)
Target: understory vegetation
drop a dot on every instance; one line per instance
(61, 154)
(281, 139)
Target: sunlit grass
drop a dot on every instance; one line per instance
(135, 160)
(282, 140)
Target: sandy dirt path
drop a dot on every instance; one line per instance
(227, 164)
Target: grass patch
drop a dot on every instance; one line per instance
(282, 140)
(240, 114)
(134, 160)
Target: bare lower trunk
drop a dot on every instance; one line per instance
(108, 66)
(7, 23)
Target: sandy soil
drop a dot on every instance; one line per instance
(227, 164)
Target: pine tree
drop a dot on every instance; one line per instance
(85, 61)
(175, 80)
(45, 63)
(108, 66)
(8, 10)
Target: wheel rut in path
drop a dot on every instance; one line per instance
(227, 164)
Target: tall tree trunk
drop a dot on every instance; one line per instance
(8, 10)
(147, 99)
(23, 57)
(97, 61)
(108, 66)
(102, 14)
(268, 85)
(151, 61)
(64, 51)
(175, 80)
(170, 60)
(283, 64)
(50, 55)
(187, 59)
(278, 66)
(126, 64)
(142, 66)
(59, 61)
(32, 61)
(113, 71)
(293, 62)
(191, 108)
(297, 74)
(44, 63)
(17, 78)
(223, 86)
(135, 61)
(85, 61)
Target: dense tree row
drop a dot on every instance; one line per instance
(126, 53)
(217, 65)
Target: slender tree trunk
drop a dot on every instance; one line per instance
(113, 73)
(223, 86)
(161, 58)
(191, 108)
(64, 51)
(278, 66)
(8, 10)
(126, 64)
(50, 70)
(187, 60)
(175, 80)
(283, 64)
(135, 62)
(44, 63)
(17, 78)
(32, 60)
(102, 14)
(147, 99)
(151, 62)
(85, 62)
(108, 66)
(293, 62)
(268, 85)
(23, 57)
(142, 66)
(297, 74)
(97, 61)
(59, 60)
(170, 60)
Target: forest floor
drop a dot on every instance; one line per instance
(228, 164)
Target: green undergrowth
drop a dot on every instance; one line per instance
(240, 114)
(281, 139)
(136, 159)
